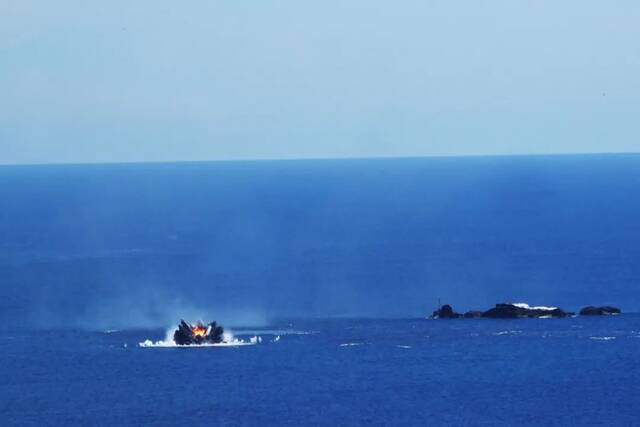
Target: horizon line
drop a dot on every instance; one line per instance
(323, 158)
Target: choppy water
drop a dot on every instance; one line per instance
(581, 371)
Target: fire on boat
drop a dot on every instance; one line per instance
(198, 333)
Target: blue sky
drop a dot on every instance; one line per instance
(160, 81)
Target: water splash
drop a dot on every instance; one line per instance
(228, 341)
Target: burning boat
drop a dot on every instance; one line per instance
(187, 334)
(199, 335)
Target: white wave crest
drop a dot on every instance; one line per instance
(276, 332)
(507, 333)
(602, 338)
(538, 307)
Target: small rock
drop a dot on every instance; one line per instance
(445, 312)
(599, 311)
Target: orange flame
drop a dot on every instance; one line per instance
(199, 330)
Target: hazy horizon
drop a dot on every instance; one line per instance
(307, 159)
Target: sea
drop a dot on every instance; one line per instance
(324, 274)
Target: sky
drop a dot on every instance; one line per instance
(122, 81)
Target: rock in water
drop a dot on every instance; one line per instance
(599, 311)
(445, 312)
(187, 334)
(473, 314)
(514, 311)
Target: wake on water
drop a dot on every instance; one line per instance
(228, 341)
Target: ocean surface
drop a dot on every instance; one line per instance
(576, 371)
(327, 270)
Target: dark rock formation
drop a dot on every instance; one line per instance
(521, 310)
(599, 311)
(198, 334)
(473, 314)
(514, 311)
(445, 312)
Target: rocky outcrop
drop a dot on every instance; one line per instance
(187, 334)
(514, 311)
(473, 314)
(599, 311)
(445, 312)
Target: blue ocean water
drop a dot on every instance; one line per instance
(579, 371)
(97, 258)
